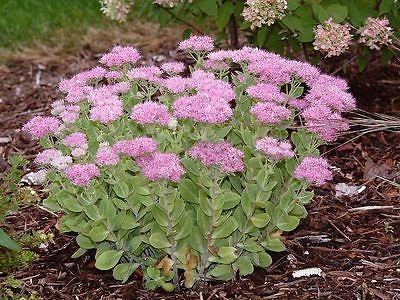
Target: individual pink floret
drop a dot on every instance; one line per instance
(120, 55)
(197, 44)
(158, 165)
(221, 154)
(136, 147)
(274, 148)
(150, 112)
(106, 156)
(39, 127)
(270, 113)
(314, 170)
(81, 174)
(266, 92)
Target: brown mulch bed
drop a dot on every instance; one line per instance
(357, 250)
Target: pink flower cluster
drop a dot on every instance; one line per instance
(106, 106)
(270, 113)
(221, 154)
(202, 108)
(314, 170)
(158, 165)
(150, 112)
(197, 44)
(266, 92)
(39, 127)
(77, 87)
(173, 67)
(54, 158)
(136, 147)
(332, 38)
(68, 113)
(376, 33)
(106, 156)
(324, 122)
(274, 148)
(120, 55)
(81, 174)
(211, 102)
(176, 84)
(146, 73)
(78, 142)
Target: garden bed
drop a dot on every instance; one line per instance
(357, 250)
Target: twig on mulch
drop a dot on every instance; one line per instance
(373, 207)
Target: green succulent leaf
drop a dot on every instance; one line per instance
(245, 266)
(159, 240)
(123, 271)
(108, 259)
(7, 242)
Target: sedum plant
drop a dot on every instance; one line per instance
(188, 177)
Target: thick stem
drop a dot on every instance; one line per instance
(233, 32)
(213, 195)
(172, 240)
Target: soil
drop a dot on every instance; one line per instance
(357, 249)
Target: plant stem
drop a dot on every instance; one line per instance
(233, 32)
(181, 20)
(210, 227)
(171, 237)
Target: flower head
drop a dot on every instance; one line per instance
(158, 165)
(197, 44)
(81, 174)
(116, 9)
(39, 127)
(266, 92)
(120, 55)
(321, 120)
(147, 73)
(332, 38)
(150, 112)
(274, 148)
(54, 158)
(260, 12)
(136, 147)
(314, 170)
(270, 113)
(202, 108)
(106, 156)
(75, 140)
(173, 67)
(221, 154)
(376, 33)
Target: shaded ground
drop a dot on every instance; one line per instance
(358, 251)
